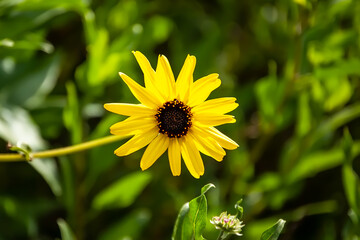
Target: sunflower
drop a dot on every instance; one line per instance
(174, 116)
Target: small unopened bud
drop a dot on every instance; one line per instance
(230, 224)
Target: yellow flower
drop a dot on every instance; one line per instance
(174, 116)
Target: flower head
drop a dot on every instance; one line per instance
(174, 116)
(230, 224)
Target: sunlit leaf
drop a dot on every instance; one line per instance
(71, 114)
(23, 22)
(123, 192)
(304, 115)
(97, 53)
(347, 143)
(274, 232)
(269, 92)
(49, 171)
(351, 180)
(320, 54)
(339, 95)
(27, 45)
(130, 227)
(340, 69)
(66, 232)
(319, 161)
(177, 231)
(351, 184)
(335, 121)
(106, 152)
(160, 28)
(240, 209)
(36, 5)
(31, 82)
(197, 217)
(267, 182)
(14, 123)
(192, 218)
(129, 11)
(206, 188)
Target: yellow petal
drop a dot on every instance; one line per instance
(155, 149)
(218, 105)
(208, 146)
(187, 159)
(132, 125)
(174, 154)
(218, 136)
(128, 109)
(192, 158)
(142, 94)
(165, 78)
(137, 142)
(212, 119)
(185, 78)
(149, 74)
(202, 88)
(151, 81)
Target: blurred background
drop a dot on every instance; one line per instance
(294, 67)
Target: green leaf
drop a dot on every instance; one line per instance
(303, 125)
(265, 89)
(68, 183)
(351, 184)
(23, 211)
(240, 209)
(269, 92)
(331, 124)
(129, 228)
(330, 48)
(303, 3)
(123, 192)
(97, 54)
(36, 44)
(66, 233)
(39, 5)
(340, 118)
(206, 188)
(49, 171)
(71, 114)
(18, 23)
(30, 83)
(340, 69)
(273, 232)
(351, 180)
(340, 93)
(14, 122)
(319, 161)
(192, 218)
(159, 28)
(196, 220)
(347, 143)
(179, 222)
(106, 152)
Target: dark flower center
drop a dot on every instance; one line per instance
(174, 118)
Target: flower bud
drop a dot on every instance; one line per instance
(230, 224)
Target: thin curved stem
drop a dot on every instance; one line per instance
(17, 157)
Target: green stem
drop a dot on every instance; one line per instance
(17, 157)
(220, 235)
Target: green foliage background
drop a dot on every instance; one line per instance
(294, 67)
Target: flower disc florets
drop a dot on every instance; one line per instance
(174, 118)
